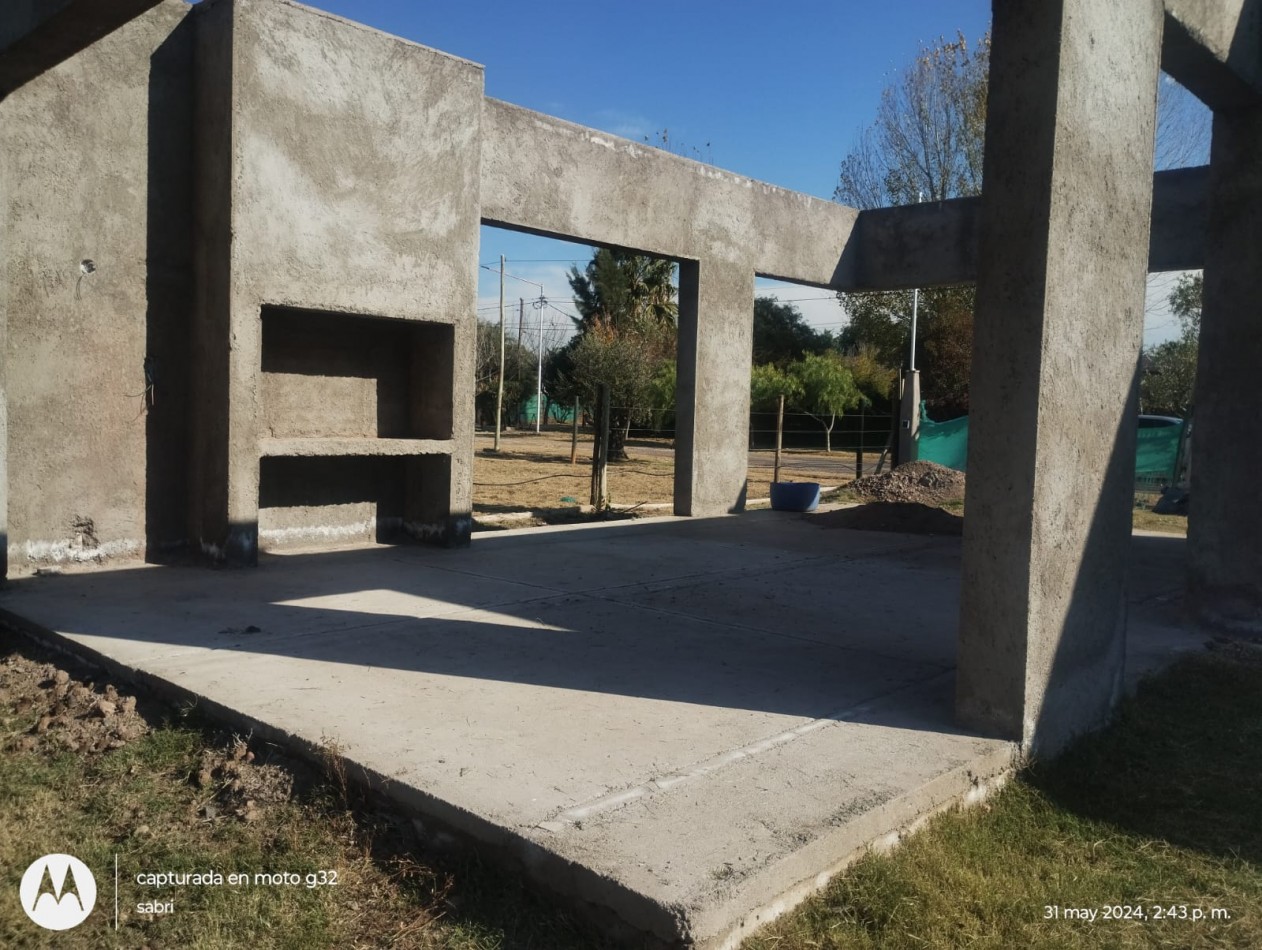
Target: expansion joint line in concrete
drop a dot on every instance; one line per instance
(665, 783)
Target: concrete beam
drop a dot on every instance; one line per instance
(1224, 543)
(935, 244)
(1214, 48)
(36, 35)
(1066, 208)
(546, 176)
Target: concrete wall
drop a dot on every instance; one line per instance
(36, 35)
(342, 177)
(95, 165)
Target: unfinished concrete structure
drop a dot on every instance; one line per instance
(240, 243)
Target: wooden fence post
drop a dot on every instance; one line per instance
(779, 438)
(600, 452)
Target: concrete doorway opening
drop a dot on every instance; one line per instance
(574, 317)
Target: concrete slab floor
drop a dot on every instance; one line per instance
(684, 726)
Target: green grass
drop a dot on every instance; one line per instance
(1163, 808)
(1149, 520)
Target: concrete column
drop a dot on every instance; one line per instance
(716, 341)
(4, 405)
(1225, 521)
(909, 418)
(1064, 224)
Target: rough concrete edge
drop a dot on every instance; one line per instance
(632, 147)
(622, 914)
(879, 830)
(362, 27)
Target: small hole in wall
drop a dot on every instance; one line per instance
(87, 266)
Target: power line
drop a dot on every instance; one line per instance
(549, 260)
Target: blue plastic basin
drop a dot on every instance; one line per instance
(795, 496)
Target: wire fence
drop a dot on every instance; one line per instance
(848, 446)
(850, 432)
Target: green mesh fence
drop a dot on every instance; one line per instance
(945, 443)
(1156, 451)
(556, 411)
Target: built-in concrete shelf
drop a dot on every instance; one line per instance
(329, 447)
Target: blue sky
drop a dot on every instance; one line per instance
(777, 92)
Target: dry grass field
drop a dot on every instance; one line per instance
(533, 472)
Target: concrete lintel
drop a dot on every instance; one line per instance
(935, 244)
(1214, 48)
(546, 176)
(36, 35)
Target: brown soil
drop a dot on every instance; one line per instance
(533, 473)
(924, 483)
(67, 714)
(902, 517)
(241, 787)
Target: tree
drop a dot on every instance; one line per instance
(626, 333)
(519, 373)
(873, 379)
(782, 335)
(827, 390)
(661, 396)
(880, 323)
(1185, 303)
(926, 143)
(624, 289)
(768, 383)
(1168, 383)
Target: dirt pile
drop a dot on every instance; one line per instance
(46, 711)
(240, 786)
(65, 714)
(922, 483)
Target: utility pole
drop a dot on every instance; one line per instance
(909, 421)
(915, 310)
(539, 376)
(521, 319)
(499, 398)
(779, 438)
